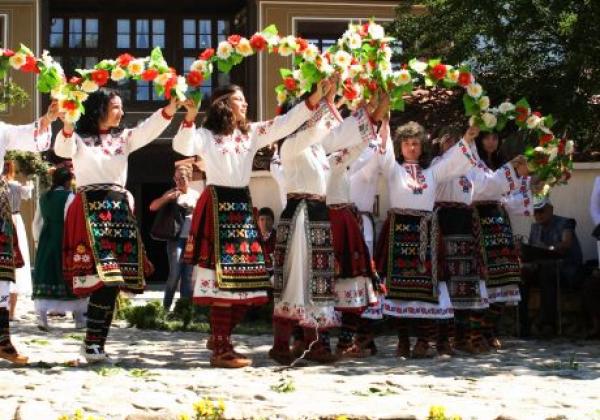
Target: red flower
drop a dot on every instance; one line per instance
(30, 65)
(170, 85)
(464, 78)
(124, 59)
(275, 50)
(149, 75)
(439, 71)
(363, 30)
(290, 83)
(100, 76)
(70, 105)
(522, 113)
(234, 39)
(372, 85)
(75, 80)
(8, 52)
(537, 114)
(561, 147)
(258, 42)
(350, 92)
(194, 78)
(545, 139)
(207, 54)
(354, 60)
(302, 44)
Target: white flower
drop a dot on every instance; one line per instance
(285, 50)
(46, 59)
(418, 66)
(506, 107)
(136, 67)
(57, 93)
(355, 70)
(224, 50)
(281, 96)
(546, 189)
(569, 147)
(273, 40)
(533, 121)
(552, 153)
(489, 120)
(342, 59)
(118, 74)
(484, 103)
(163, 78)
(453, 75)
(181, 87)
(80, 95)
(474, 90)
(89, 86)
(72, 115)
(201, 66)
(402, 77)
(539, 149)
(244, 48)
(310, 53)
(387, 53)
(385, 68)
(354, 41)
(376, 31)
(17, 60)
(326, 68)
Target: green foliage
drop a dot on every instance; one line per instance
(284, 385)
(31, 164)
(12, 94)
(545, 50)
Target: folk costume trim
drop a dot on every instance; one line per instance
(239, 263)
(10, 256)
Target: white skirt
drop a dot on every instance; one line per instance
(22, 283)
(354, 292)
(375, 311)
(296, 301)
(483, 303)
(4, 292)
(43, 306)
(416, 309)
(206, 291)
(508, 294)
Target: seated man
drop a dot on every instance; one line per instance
(552, 241)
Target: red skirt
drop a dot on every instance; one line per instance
(199, 248)
(352, 257)
(79, 258)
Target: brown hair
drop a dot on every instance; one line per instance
(219, 116)
(412, 130)
(10, 169)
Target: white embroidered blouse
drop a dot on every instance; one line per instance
(228, 158)
(104, 159)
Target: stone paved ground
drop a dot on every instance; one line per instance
(165, 373)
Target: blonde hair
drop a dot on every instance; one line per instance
(185, 170)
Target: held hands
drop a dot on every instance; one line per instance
(322, 89)
(471, 133)
(191, 110)
(50, 117)
(172, 107)
(383, 107)
(334, 81)
(519, 163)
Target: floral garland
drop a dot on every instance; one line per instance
(362, 57)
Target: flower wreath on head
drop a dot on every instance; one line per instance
(362, 57)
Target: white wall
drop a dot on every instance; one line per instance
(572, 200)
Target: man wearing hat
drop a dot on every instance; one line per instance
(552, 240)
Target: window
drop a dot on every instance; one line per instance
(83, 33)
(123, 33)
(57, 33)
(150, 33)
(197, 34)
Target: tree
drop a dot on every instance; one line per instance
(545, 50)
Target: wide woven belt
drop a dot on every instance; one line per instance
(340, 206)
(303, 196)
(452, 204)
(486, 202)
(101, 187)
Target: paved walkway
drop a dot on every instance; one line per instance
(165, 373)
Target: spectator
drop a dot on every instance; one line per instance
(185, 199)
(555, 238)
(595, 213)
(266, 220)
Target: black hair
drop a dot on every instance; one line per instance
(60, 177)
(496, 159)
(96, 109)
(267, 211)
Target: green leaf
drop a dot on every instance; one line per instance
(397, 104)
(285, 73)
(270, 30)
(196, 96)
(434, 62)
(25, 50)
(471, 106)
(522, 103)
(224, 66)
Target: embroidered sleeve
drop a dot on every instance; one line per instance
(341, 159)
(147, 130)
(519, 201)
(65, 145)
(27, 137)
(353, 130)
(268, 132)
(495, 183)
(386, 159)
(189, 141)
(454, 163)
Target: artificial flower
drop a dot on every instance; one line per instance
(100, 76)
(465, 78)
(17, 60)
(258, 42)
(149, 75)
(207, 54)
(136, 67)
(489, 120)
(474, 90)
(342, 59)
(438, 72)
(376, 31)
(484, 103)
(194, 78)
(89, 86)
(124, 59)
(402, 77)
(224, 50)
(118, 74)
(244, 48)
(506, 107)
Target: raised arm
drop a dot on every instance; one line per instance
(150, 128)
(458, 159)
(34, 137)
(386, 160)
(353, 130)
(268, 132)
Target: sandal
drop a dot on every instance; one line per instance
(229, 360)
(8, 352)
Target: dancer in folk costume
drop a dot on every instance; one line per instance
(503, 271)
(356, 282)
(102, 247)
(364, 178)
(50, 291)
(224, 244)
(407, 251)
(34, 137)
(276, 170)
(304, 254)
(461, 260)
(16, 193)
